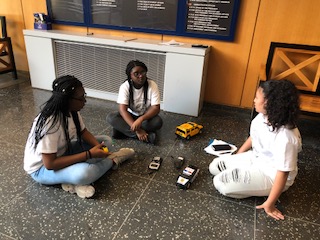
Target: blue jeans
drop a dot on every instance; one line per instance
(82, 173)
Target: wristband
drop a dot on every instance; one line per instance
(90, 156)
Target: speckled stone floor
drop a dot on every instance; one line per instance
(130, 203)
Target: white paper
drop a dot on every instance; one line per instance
(210, 150)
(172, 43)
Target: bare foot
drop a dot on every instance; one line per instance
(142, 135)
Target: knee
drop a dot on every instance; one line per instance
(104, 138)
(217, 184)
(160, 122)
(80, 177)
(152, 124)
(230, 184)
(220, 183)
(111, 118)
(157, 122)
(215, 166)
(85, 178)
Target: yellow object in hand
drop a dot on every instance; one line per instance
(104, 148)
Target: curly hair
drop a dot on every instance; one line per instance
(56, 109)
(282, 103)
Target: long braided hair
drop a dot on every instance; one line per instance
(130, 66)
(56, 109)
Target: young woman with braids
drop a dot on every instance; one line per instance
(139, 106)
(60, 149)
(266, 164)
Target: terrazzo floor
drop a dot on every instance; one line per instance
(130, 203)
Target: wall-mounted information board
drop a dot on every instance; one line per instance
(161, 15)
(211, 19)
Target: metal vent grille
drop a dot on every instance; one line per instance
(103, 67)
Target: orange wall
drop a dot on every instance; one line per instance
(233, 66)
(12, 10)
(287, 21)
(19, 15)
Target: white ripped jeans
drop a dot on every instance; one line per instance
(237, 176)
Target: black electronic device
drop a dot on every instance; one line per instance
(178, 162)
(199, 46)
(221, 147)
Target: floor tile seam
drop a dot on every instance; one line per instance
(103, 132)
(172, 146)
(7, 236)
(254, 207)
(167, 184)
(224, 199)
(204, 194)
(194, 191)
(166, 156)
(153, 173)
(162, 183)
(286, 217)
(189, 190)
(140, 176)
(14, 227)
(255, 220)
(133, 207)
(16, 196)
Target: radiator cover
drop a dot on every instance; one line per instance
(102, 68)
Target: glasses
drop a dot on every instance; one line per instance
(82, 98)
(138, 74)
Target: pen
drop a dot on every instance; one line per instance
(225, 152)
(132, 39)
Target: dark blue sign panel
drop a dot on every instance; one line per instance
(210, 19)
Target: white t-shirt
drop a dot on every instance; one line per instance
(53, 142)
(139, 107)
(277, 150)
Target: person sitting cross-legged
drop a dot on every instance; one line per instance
(61, 150)
(139, 106)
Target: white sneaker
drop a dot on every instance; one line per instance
(122, 155)
(68, 188)
(83, 191)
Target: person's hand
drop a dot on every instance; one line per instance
(142, 135)
(97, 151)
(136, 125)
(272, 211)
